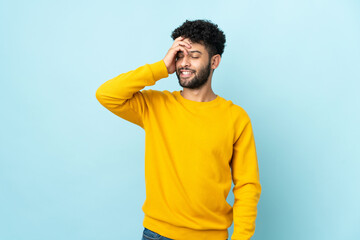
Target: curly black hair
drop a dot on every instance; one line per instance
(204, 32)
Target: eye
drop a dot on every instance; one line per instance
(195, 57)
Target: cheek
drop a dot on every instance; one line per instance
(177, 64)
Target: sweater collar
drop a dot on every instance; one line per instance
(188, 102)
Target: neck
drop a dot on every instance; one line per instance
(198, 95)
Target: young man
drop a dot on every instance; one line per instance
(196, 142)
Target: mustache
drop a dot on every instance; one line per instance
(186, 69)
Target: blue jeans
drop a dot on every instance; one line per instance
(150, 235)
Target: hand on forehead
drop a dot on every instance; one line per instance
(188, 40)
(181, 38)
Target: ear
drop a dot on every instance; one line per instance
(215, 61)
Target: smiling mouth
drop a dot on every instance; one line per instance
(186, 74)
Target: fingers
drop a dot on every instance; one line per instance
(181, 38)
(181, 41)
(180, 48)
(180, 44)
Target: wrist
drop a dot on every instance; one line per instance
(167, 65)
(159, 70)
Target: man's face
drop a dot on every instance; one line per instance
(193, 70)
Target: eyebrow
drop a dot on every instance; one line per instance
(195, 51)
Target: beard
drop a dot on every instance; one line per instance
(199, 79)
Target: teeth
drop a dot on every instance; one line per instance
(186, 72)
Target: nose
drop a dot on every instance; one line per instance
(185, 61)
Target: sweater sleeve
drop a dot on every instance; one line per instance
(122, 96)
(247, 188)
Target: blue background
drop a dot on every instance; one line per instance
(70, 169)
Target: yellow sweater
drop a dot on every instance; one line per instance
(193, 150)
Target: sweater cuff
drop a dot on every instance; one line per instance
(159, 70)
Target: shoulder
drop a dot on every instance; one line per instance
(239, 118)
(155, 95)
(238, 113)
